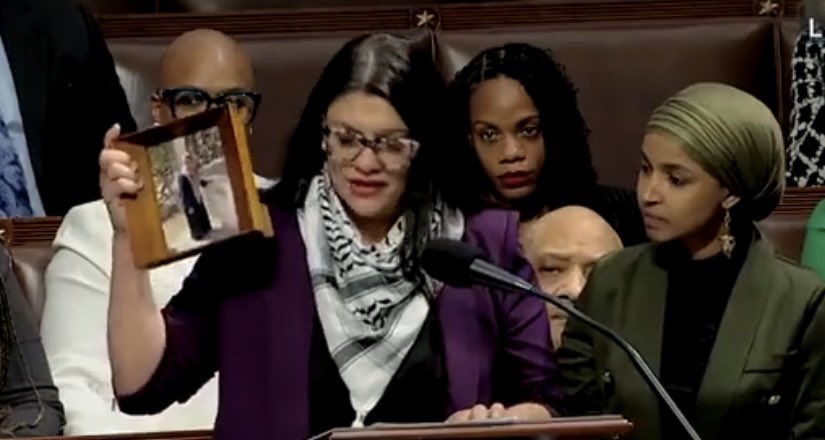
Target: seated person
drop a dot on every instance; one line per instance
(735, 333)
(333, 322)
(189, 184)
(198, 68)
(563, 246)
(216, 189)
(522, 142)
(29, 404)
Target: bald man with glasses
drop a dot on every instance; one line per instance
(200, 70)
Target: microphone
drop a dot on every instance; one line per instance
(459, 264)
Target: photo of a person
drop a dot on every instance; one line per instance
(190, 184)
(194, 190)
(215, 188)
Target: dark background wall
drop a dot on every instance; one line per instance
(152, 6)
(166, 6)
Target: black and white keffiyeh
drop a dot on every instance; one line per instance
(370, 312)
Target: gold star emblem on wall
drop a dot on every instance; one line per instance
(768, 7)
(425, 18)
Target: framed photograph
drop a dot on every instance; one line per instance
(199, 188)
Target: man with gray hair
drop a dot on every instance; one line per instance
(563, 246)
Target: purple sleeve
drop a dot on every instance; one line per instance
(190, 357)
(527, 344)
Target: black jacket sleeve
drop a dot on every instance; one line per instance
(111, 101)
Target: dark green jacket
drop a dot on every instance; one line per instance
(766, 375)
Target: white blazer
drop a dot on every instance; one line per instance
(74, 324)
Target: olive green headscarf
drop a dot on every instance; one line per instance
(734, 137)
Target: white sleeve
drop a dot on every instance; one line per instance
(74, 322)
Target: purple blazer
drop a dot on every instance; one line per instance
(247, 310)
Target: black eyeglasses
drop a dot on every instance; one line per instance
(187, 101)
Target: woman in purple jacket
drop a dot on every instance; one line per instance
(333, 322)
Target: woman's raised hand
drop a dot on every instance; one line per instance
(119, 179)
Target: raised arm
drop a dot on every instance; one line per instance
(156, 357)
(136, 331)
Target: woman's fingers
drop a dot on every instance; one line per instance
(110, 157)
(121, 170)
(111, 135)
(120, 179)
(497, 411)
(479, 412)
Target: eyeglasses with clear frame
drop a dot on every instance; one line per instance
(187, 101)
(345, 145)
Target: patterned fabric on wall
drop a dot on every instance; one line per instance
(806, 162)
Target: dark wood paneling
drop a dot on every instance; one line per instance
(24, 231)
(792, 7)
(469, 16)
(280, 21)
(101, 7)
(800, 201)
(479, 15)
(19, 231)
(245, 5)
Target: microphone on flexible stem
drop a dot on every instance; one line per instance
(460, 264)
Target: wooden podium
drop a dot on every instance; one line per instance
(164, 435)
(598, 427)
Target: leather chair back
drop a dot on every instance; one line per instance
(29, 240)
(624, 70)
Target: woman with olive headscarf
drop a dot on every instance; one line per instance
(735, 333)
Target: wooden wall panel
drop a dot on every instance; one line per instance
(223, 6)
(800, 201)
(275, 21)
(466, 15)
(103, 7)
(792, 7)
(245, 5)
(25, 231)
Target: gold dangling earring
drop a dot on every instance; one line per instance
(726, 236)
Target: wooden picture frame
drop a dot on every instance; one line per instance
(177, 213)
